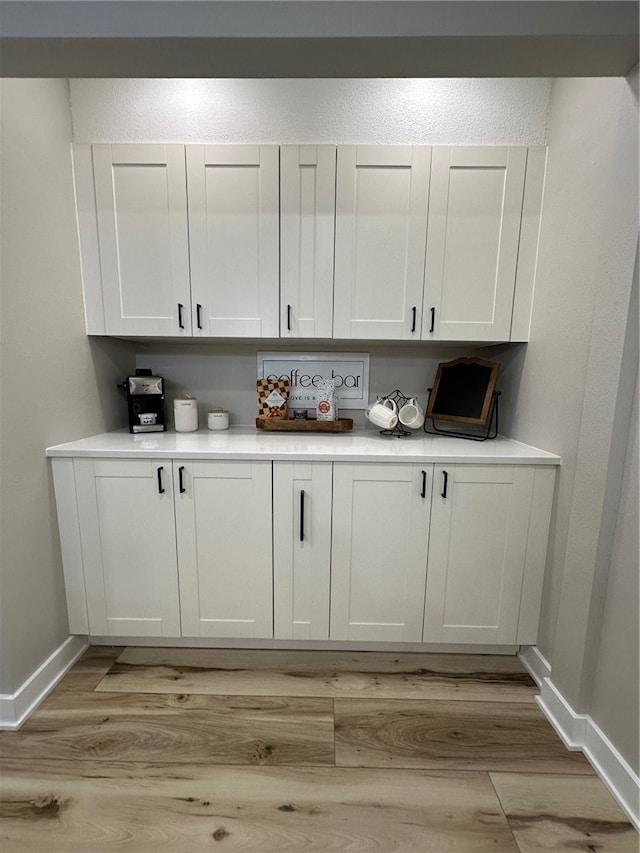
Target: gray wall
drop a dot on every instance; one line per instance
(56, 384)
(615, 698)
(567, 390)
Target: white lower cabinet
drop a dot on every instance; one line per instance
(362, 552)
(482, 542)
(302, 549)
(379, 552)
(128, 546)
(224, 535)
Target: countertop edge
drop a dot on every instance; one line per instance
(422, 451)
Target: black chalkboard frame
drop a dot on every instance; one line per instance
(435, 408)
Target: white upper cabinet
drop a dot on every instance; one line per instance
(368, 242)
(234, 239)
(475, 209)
(307, 222)
(381, 222)
(141, 220)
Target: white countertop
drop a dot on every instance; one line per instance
(361, 445)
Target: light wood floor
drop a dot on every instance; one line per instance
(189, 750)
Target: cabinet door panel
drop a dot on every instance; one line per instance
(307, 222)
(128, 547)
(224, 529)
(477, 553)
(234, 237)
(379, 551)
(381, 211)
(302, 549)
(475, 207)
(141, 204)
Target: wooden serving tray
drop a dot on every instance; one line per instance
(291, 425)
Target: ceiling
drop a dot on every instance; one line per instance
(317, 38)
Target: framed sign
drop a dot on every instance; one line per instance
(463, 390)
(305, 370)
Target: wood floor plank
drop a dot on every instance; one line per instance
(564, 813)
(450, 735)
(76, 807)
(90, 669)
(490, 678)
(177, 728)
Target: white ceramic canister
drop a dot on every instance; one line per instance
(185, 413)
(218, 419)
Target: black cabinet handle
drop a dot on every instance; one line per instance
(445, 480)
(423, 493)
(289, 318)
(160, 488)
(180, 479)
(301, 516)
(180, 323)
(433, 319)
(414, 312)
(199, 315)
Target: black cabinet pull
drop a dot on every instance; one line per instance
(160, 488)
(414, 312)
(289, 318)
(445, 480)
(423, 493)
(180, 480)
(433, 319)
(199, 315)
(301, 516)
(180, 323)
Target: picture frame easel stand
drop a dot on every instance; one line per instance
(489, 429)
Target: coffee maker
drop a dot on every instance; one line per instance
(145, 399)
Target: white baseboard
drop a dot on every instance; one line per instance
(614, 770)
(535, 663)
(580, 732)
(16, 707)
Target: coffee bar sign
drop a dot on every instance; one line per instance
(306, 370)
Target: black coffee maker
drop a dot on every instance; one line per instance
(145, 398)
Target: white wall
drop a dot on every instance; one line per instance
(56, 384)
(615, 698)
(225, 374)
(431, 112)
(564, 390)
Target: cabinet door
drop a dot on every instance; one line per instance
(381, 218)
(379, 553)
(475, 206)
(141, 206)
(302, 549)
(234, 237)
(477, 550)
(224, 531)
(307, 222)
(125, 510)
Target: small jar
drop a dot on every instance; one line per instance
(185, 413)
(218, 419)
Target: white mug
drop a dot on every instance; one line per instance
(411, 414)
(383, 413)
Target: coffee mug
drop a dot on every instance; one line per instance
(383, 413)
(411, 414)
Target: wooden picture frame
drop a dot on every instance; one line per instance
(463, 391)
